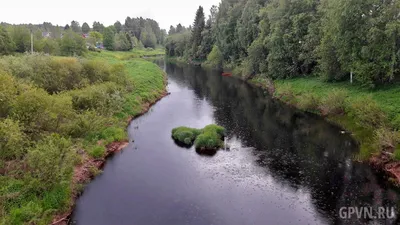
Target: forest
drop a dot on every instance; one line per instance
(74, 39)
(282, 39)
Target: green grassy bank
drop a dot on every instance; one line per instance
(56, 115)
(371, 115)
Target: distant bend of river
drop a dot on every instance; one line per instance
(284, 166)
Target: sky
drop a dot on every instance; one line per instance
(165, 12)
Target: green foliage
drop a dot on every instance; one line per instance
(108, 39)
(104, 98)
(12, 140)
(367, 112)
(185, 135)
(309, 102)
(42, 130)
(214, 59)
(122, 42)
(386, 138)
(8, 91)
(40, 112)
(209, 137)
(21, 37)
(51, 160)
(334, 103)
(6, 44)
(72, 44)
(85, 28)
(97, 152)
(148, 38)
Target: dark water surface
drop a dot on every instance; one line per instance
(284, 166)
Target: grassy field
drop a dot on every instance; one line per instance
(64, 122)
(387, 98)
(372, 115)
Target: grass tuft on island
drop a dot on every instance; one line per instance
(209, 138)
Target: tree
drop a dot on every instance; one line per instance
(76, 27)
(179, 28)
(198, 27)
(118, 26)
(215, 58)
(148, 38)
(21, 38)
(95, 37)
(172, 30)
(97, 26)
(66, 27)
(122, 42)
(108, 39)
(6, 44)
(85, 28)
(72, 44)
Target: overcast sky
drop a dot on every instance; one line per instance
(165, 12)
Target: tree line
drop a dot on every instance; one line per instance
(295, 38)
(75, 39)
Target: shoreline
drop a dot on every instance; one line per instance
(86, 171)
(383, 161)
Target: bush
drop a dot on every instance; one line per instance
(334, 103)
(97, 152)
(386, 138)
(309, 102)
(111, 134)
(209, 137)
(12, 140)
(105, 98)
(39, 111)
(8, 92)
(367, 112)
(215, 58)
(87, 123)
(185, 135)
(51, 161)
(285, 93)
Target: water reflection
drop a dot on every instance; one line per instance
(283, 167)
(298, 149)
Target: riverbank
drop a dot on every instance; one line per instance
(148, 90)
(371, 116)
(60, 126)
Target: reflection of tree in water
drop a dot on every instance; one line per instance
(297, 149)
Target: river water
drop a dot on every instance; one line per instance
(284, 166)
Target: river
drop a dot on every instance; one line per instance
(284, 166)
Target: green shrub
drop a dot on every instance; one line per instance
(215, 58)
(39, 111)
(386, 138)
(105, 98)
(51, 161)
(111, 134)
(8, 92)
(397, 153)
(97, 151)
(366, 112)
(396, 122)
(12, 140)
(87, 123)
(334, 103)
(309, 102)
(285, 93)
(210, 137)
(28, 213)
(185, 135)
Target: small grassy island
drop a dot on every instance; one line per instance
(208, 138)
